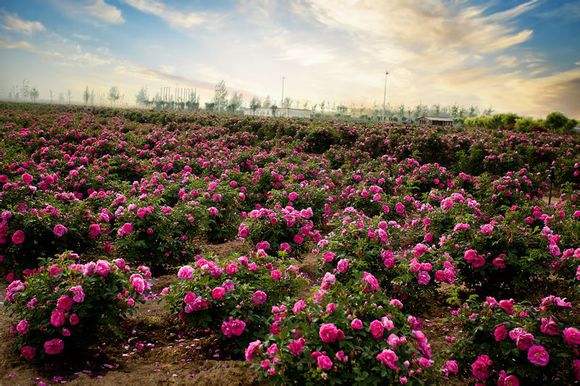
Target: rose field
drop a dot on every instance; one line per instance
(156, 247)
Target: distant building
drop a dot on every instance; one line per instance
(278, 112)
(436, 121)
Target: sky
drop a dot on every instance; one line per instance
(520, 56)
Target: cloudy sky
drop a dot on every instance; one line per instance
(521, 56)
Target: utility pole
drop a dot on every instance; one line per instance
(282, 100)
(385, 97)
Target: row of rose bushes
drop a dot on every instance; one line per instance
(158, 220)
(65, 306)
(342, 331)
(469, 150)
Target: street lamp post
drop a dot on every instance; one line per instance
(385, 97)
(282, 101)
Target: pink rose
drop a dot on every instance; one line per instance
(275, 274)
(94, 231)
(324, 362)
(480, 367)
(299, 306)
(57, 318)
(500, 332)
(377, 329)
(571, 336)
(252, 349)
(53, 346)
(296, 346)
(28, 352)
(259, 297)
(233, 327)
(342, 265)
(341, 356)
(507, 306)
(102, 268)
(450, 368)
(27, 178)
(64, 303)
(22, 327)
(78, 294)
(185, 272)
(524, 341)
(328, 256)
(59, 230)
(507, 379)
(388, 358)
(356, 324)
(138, 283)
(370, 283)
(329, 333)
(473, 258)
(125, 229)
(548, 326)
(218, 293)
(74, 319)
(537, 355)
(18, 237)
(499, 262)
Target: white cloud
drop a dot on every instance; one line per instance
(19, 45)
(94, 10)
(12, 22)
(172, 16)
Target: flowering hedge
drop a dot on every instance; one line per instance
(342, 335)
(232, 298)
(286, 229)
(511, 341)
(65, 306)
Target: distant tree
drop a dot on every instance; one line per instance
(274, 109)
(61, 99)
(488, 111)
(267, 102)
(192, 100)
(25, 90)
(210, 106)
(142, 97)
(86, 95)
(235, 102)
(113, 95)
(34, 94)
(401, 113)
(556, 121)
(255, 104)
(220, 98)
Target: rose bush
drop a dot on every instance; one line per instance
(65, 306)
(233, 298)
